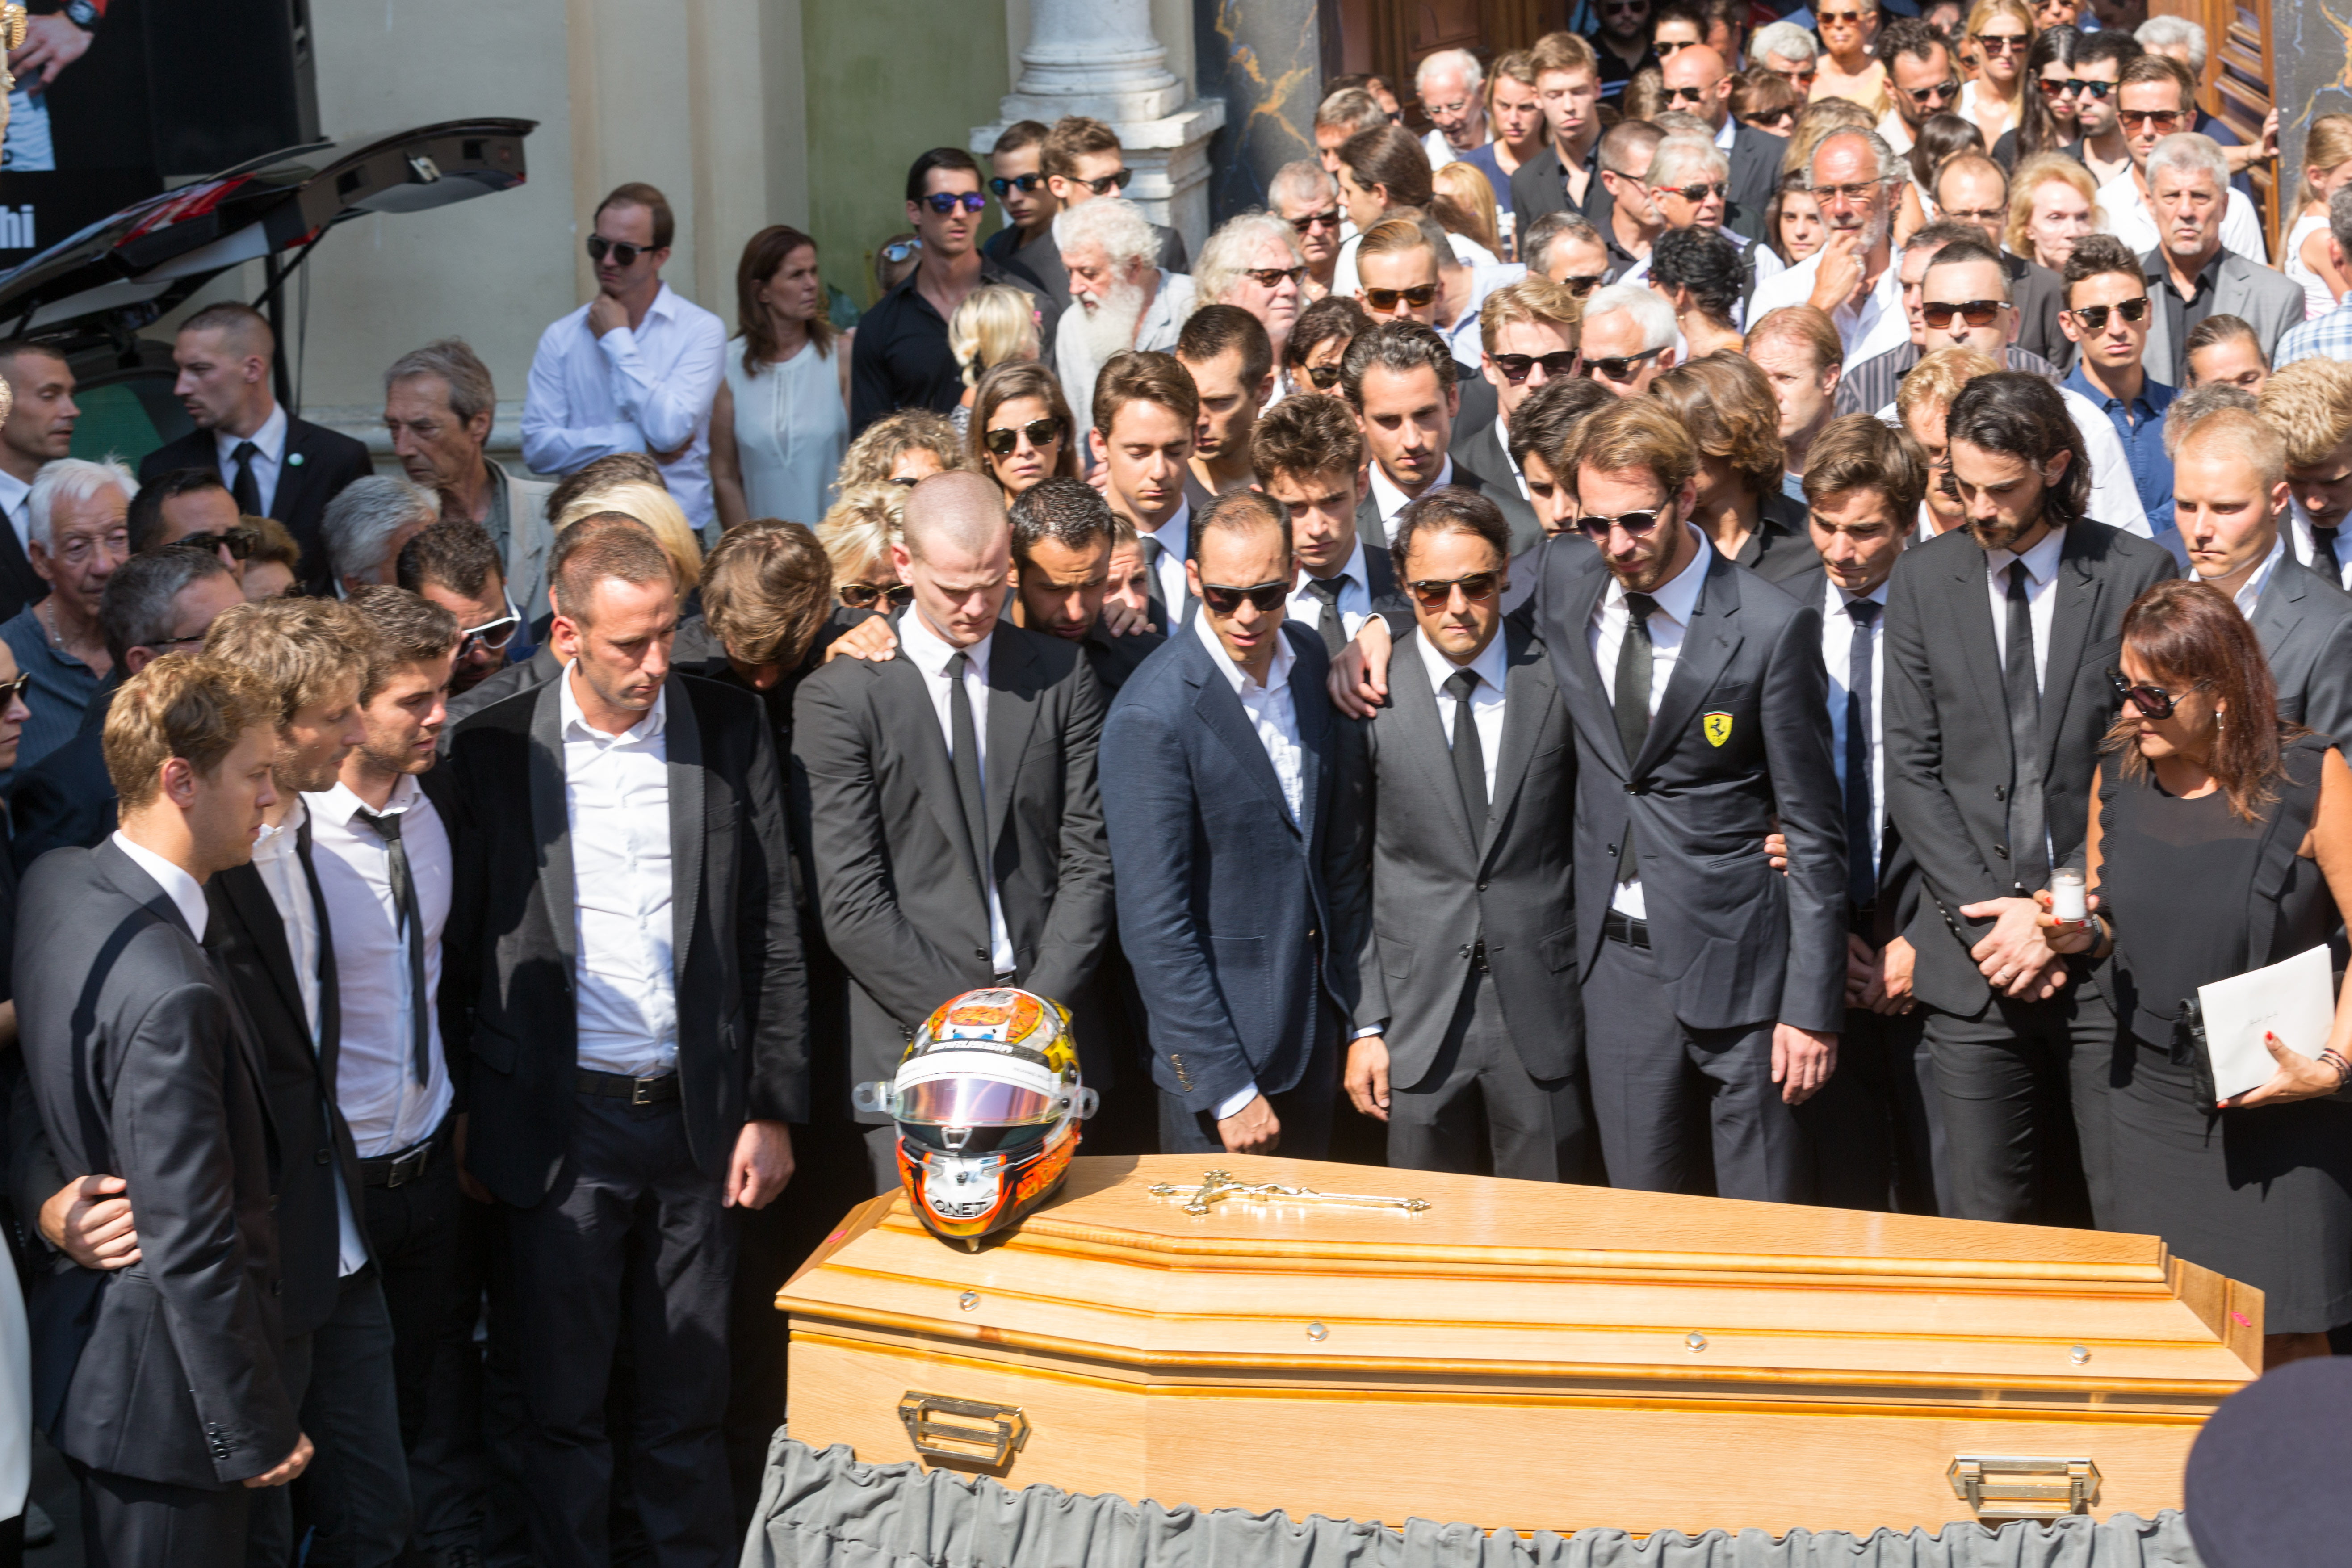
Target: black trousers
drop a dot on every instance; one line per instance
(1304, 1110)
(130, 1524)
(631, 1242)
(2024, 1087)
(1876, 1128)
(1478, 1110)
(352, 1502)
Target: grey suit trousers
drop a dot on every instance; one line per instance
(1666, 1097)
(1477, 1110)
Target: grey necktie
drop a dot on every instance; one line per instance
(1469, 757)
(403, 893)
(1152, 550)
(2322, 549)
(965, 738)
(1632, 705)
(2029, 847)
(1329, 623)
(1860, 865)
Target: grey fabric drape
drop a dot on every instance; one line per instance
(826, 1510)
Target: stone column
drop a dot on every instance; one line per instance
(1100, 58)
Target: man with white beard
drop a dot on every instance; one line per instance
(1120, 297)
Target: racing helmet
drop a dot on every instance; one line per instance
(988, 1102)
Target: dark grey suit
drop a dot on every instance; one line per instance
(1482, 451)
(2004, 1067)
(895, 887)
(1373, 530)
(2267, 300)
(1470, 955)
(66, 797)
(1687, 1002)
(163, 1380)
(2304, 622)
(315, 465)
(1754, 172)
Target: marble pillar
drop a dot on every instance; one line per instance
(2311, 43)
(1267, 59)
(1100, 58)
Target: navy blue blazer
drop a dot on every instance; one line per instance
(1242, 925)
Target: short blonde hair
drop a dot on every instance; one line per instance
(182, 705)
(2310, 404)
(1938, 377)
(657, 509)
(2032, 174)
(1474, 203)
(305, 650)
(880, 445)
(996, 322)
(862, 526)
(1534, 297)
(2242, 430)
(1807, 324)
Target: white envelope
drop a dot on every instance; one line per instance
(2293, 999)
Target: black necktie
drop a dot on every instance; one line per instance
(404, 892)
(1633, 704)
(242, 484)
(1152, 549)
(1469, 757)
(1334, 629)
(1861, 865)
(2028, 849)
(965, 740)
(2322, 549)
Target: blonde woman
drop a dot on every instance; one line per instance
(1473, 208)
(2052, 203)
(657, 509)
(902, 447)
(858, 534)
(2327, 164)
(995, 324)
(1846, 69)
(2001, 32)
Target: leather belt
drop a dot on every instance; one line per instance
(621, 1086)
(396, 1170)
(1618, 926)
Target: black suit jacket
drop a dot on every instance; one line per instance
(1740, 743)
(1116, 658)
(1781, 547)
(1441, 884)
(2304, 622)
(143, 1066)
(246, 939)
(1948, 738)
(2040, 294)
(19, 584)
(1373, 530)
(1482, 451)
(1754, 172)
(509, 1019)
(66, 797)
(894, 886)
(318, 464)
(1540, 186)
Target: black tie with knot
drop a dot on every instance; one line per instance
(242, 484)
(1632, 705)
(1329, 623)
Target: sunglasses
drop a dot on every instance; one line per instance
(1436, 592)
(2094, 318)
(2098, 89)
(900, 250)
(1596, 529)
(1001, 439)
(1115, 180)
(2003, 42)
(1976, 312)
(1942, 92)
(946, 202)
(1515, 367)
(2154, 119)
(2059, 87)
(1264, 597)
(1003, 187)
(862, 595)
(1972, 215)
(1419, 295)
(1667, 49)
(10, 690)
(1626, 369)
(1842, 18)
(1582, 283)
(2153, 701)
(1273, 276)
(1801, 78)
(620, 250)
(490, 636)
(1324, 376)
(1690, 94)
(1313, 220)
(238, 541)
(1695, 193)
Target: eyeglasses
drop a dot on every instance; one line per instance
(1419, 295)
(862, 595)
(490, 636)
(1943, 91)
(1804, 78)
(238, 541)
(622, 253)
(1976, 312)
(1515, 367)
(2059, 87)
(1695, 193)
(1264, 597)
(2003, 42)
(2153, 701)
(1273, 276)
(1324, 376)
(1115, 180)
(1003, 187)
(2154, 118)
(1435, 594)
(2094, 318)
(900, 250)
(1824, 195)
(1001, 439)
(1597, 529)
(1582, 283)
(1667, 49)
(10, 690)
(1623, 370)
(946, 202)
(1313, 220)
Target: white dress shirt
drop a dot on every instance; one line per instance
(1486, 698)
(269, 457)
(1172, 301)
(1388, 501)
(1175, 539)
(1837, 652)
(2130, 220)
(1355, 598)
(16, 501)
(187, 894)
(2298, 534)
(616, 804)
(1867, 327)
(929, 652)
(643, 389)
(1677, 600)
(375, 1080)
(2042, 568)
(2250, 592)
(1274, 718)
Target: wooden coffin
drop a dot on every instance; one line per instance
(1518, 1355)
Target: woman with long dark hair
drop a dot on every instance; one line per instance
(2220, 842)
(1022, 431)
(2051, 101)
(780, 422)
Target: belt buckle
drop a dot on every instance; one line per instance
(641, 1091)
(408, 1166)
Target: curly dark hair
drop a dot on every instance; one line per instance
(1702, 261)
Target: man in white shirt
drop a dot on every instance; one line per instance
(38, 428)
(1401, 381)
(1448, 83)
(1854, 176)
(1309, 455)
(1120, 299)
(634, 369)
(1145, 412)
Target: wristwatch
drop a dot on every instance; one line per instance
(83, 14)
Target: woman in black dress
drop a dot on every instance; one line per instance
(2221, 841)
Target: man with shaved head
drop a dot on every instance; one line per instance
(1698, 81)
(954, 824)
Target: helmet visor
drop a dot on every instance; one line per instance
(964, 1102)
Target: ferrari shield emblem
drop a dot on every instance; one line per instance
(1716, 727)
